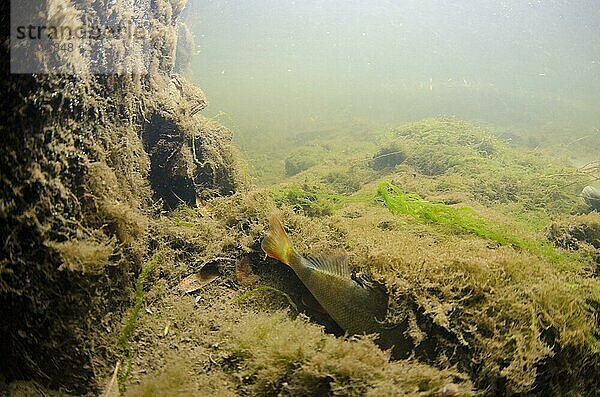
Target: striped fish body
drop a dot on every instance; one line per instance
(354, 305)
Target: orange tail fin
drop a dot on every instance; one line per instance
(276, 243)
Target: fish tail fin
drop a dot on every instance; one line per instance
(277, 244)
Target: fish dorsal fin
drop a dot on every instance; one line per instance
(335, 264)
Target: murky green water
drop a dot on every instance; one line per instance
(279, 68)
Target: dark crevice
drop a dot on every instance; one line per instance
(163, 141)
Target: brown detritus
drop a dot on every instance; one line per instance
(196, 281)
(243, 271)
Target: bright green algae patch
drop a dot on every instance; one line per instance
(318, 200)
(462, 218)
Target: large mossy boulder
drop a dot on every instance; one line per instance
(85, 158)
(303, 158)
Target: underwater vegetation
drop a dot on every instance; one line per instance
(131, 321)
(506, 320)
(303, 158)
(467, 271)
(116, 190)
(311, 199)
(88, 163)
(478, 291)
(462, 218)
(486, 294)
(470, 159)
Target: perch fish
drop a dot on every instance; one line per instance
(355, 305)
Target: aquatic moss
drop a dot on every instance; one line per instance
(344, 180)
(219, 348)
(515, 312)
(462, 218)
(471, 158)
(219, 167)
(279, 356)
(116, 204)
(512, 309)
(172, 380)
(133, 317)
(308, 199)
(519, 324)
(77, 154)
(57, 225)
(578, 233)
(456, 142)
(264, 290)
(303, 158)
(87, 256)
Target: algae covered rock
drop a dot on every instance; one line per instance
(591, 196)
(81, 163)
(438, 145)
(303, 159)
(309, 199)
(576, 232)
(388, 156)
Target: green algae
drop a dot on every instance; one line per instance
(462, 218)
(261, 291)
(522, 323)
(280, 356)
(309, 199)
(124, 344)
(303, 159)
(473, 159)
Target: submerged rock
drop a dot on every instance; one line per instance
(388, 156)
(576, 233)
(591, 196)
(303, 159)
(87, 161)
